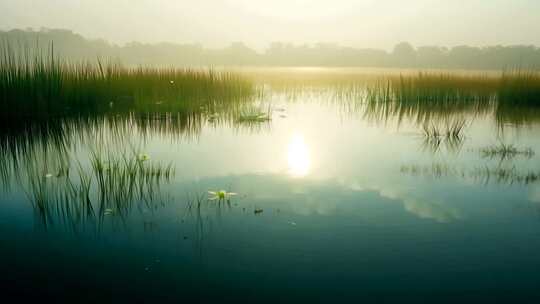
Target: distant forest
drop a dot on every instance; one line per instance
(74, 46)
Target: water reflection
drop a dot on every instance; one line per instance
(339, 196)
(74, 138)
(298, 156)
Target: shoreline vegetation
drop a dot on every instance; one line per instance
(40, 83)
(34, 83)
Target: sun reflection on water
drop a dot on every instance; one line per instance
(298, 156)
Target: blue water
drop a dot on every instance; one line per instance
(327, 210)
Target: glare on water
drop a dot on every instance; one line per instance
(298, 156)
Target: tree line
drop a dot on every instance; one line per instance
(74, 46)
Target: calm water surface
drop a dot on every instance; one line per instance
(331, 206)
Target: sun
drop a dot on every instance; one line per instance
(298, 156)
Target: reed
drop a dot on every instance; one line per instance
(512, 96)
(40, 83)
(253, 115)
(129, 177)
(449, 130)
(111, 185)
(518, 88)
(505, 151)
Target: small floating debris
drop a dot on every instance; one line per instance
(258, 211)
(108, 211)
(48, 175)
(171, 82)
(292, 223)
(283, 116)
(279, 109)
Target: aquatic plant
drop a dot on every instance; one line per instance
(220, 195)
(451, 133)
(143, 157)
(111, 186)
(505, 151)
(122, 179)
(253, 117)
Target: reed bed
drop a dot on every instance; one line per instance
(111, 186)
(518, 98)
(512, 96)
(37, 83)
(425, 96)
(519, 88)
(122, 179)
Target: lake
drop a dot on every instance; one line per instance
(324, 199)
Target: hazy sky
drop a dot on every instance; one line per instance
(359, 23)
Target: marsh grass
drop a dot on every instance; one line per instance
(505, 151)
(428, 95)
(111, 186)
(451, 130)
(451, 133)
(442, 89)
(39, 83)
(518, 98)
(513, 96)
(26, 138)
(519, 87)
(120, 180)
(508, 115)
(254, 115)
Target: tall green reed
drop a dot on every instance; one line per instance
(37, 82)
